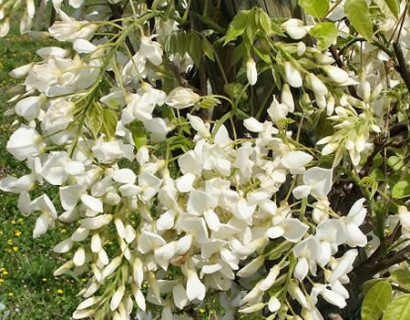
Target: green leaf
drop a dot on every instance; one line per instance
(95, 118)
(251, 27)
(264, 55)
(376, 301)
(208, 102)
(399, 309)
(265, 22)
(237, 26)
(395, 162)
(109, 123)
(316, 8)
(369, 284)
(276, 29)
(391, 6)
(394, 7)
(194, 47)
(402, 276)
(402, 188)
(208, 49)
(139, 134)
(377, 174)
(358, 14)
(325, 33)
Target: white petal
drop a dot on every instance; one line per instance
(148, 241)
(117, 298)
(130, 233)
(83, 46)
(139, 297)
(29, 108)
(294, 229)
(79, 257)
(166, 220)
(125, 176)
(92, 203)
(198, 203)
(41, 226)
(185, 182)
(251, 72)
(320, 179)
(301, 269)
(88, 303)
(184, 244)
(253, 308)
(96, 244)
(81, 314)
(292, 75)
(80, 234)
(164, 254)
(287, 97)
(212, 268)
(180, 297)
(268, 282)
(96, 222)
(112, 266)
(64, 246)
(357, 212)
(295, 160)
(333, 298)
(275, 232)
(119, 225)
(355, 237)
(212, 220)
(336, 74)
(316, 84)
(48, 52)
(251, 267)
(70, 195)
(244, 209)
(301, 192)
(195, 288)
(21, 72)
(74, 168)
(198, 124)
(253, 125)
(274, 304)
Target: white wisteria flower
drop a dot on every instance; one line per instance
(181, 98)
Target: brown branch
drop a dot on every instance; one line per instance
(181, 80)
(376, 263)
(402, 65)
(400, 128)
(396, 258)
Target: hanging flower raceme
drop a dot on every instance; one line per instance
(173, 207)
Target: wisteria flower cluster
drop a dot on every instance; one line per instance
(185, 195)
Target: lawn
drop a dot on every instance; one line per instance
(27, 286)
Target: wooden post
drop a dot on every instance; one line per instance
(275, 8)
(40, 15)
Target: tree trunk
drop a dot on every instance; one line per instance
(275, 8)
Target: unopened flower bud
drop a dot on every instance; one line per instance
(251, 71)
(292, 75)
(316, 84)
(336, 74)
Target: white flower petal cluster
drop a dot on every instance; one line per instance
(163, 230)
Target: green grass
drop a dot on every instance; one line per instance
(27, 286)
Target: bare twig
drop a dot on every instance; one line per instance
(117, 11)
(402, 65)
